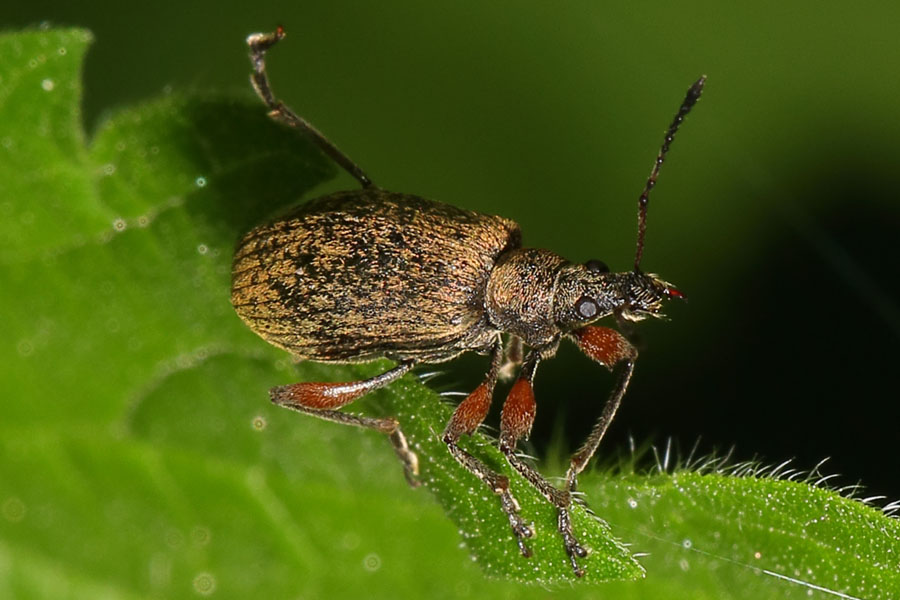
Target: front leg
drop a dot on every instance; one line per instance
(609, 348)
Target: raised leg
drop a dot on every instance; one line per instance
(323, 399)
(465, 420)
(259, 44)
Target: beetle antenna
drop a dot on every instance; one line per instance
(693, 94)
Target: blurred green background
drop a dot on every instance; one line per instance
(777, 211)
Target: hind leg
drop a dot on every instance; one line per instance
(323, 399)
(259, 44)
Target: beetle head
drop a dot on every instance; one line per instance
(586, 293)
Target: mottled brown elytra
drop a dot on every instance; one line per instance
(363, 274)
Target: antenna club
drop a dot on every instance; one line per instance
(697, 88)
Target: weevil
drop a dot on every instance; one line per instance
(368, 273)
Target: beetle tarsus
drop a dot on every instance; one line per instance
(574, 549)
(409, 458)
(521, 529)
(499, 484)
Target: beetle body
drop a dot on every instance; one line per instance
(364, 274)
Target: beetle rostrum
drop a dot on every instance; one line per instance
(363, 274)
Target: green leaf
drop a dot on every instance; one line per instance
(123, 331)
(139, 455)
(721, 535)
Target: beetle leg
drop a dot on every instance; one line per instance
(512, 359)
(609, 348)
(604, 345)
(465, 420)
(259, 44)
(515, 422)
(323, 399)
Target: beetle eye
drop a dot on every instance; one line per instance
(596, 266)
(586, 307)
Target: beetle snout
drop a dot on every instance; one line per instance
(673, 292)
